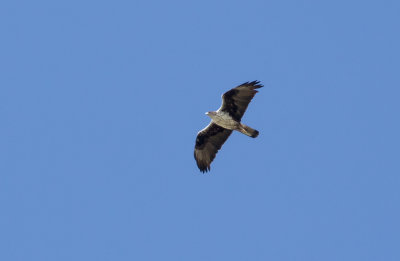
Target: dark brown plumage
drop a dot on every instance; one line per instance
(235, 101)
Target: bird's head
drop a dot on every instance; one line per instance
(211, 113)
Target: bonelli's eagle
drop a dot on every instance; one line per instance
(223, 121)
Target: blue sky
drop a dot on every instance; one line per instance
(100, 104)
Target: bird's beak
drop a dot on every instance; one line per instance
(206, 113)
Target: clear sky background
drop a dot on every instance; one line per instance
(101, 101)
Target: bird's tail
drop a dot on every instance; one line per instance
(248, 131)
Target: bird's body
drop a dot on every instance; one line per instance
(223, 121)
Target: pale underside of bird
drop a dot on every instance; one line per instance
(223, 121)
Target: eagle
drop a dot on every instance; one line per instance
(223, 121)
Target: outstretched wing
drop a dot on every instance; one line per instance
(235, 101)
(208, 142)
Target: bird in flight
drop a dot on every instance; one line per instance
(223, 121)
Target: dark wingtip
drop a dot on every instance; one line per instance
(204, 170)
(256, 84)
(203, 167)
